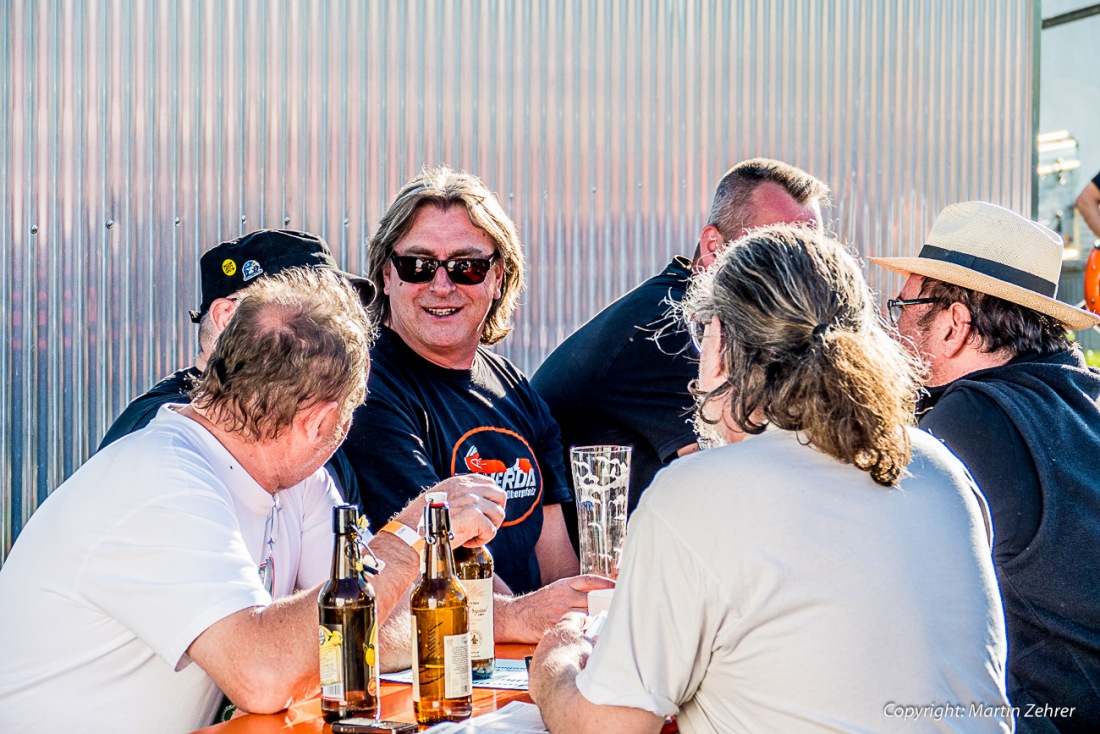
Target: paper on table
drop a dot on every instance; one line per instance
(509, 675)
(515, 718)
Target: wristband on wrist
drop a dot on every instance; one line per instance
(409, 536)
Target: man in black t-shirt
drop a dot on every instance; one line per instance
(448, 267)
(623, 377)
(1012, 397)
(226, 269)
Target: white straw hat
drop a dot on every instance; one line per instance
(992, 250)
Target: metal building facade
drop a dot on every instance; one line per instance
(135, 135)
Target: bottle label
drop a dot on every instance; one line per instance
(479, 592)
(332, 661)
(370, 655)
(459, 675)
(415, 660)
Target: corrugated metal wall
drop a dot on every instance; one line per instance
(135, 135)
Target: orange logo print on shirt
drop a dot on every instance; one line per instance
(505, 457)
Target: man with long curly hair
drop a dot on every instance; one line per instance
(828, 567)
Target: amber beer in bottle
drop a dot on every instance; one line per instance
(349, 628)
(474, 567)
(442, 681)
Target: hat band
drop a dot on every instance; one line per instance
(997, 270)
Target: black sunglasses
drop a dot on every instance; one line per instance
(461, 270)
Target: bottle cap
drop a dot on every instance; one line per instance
(344, 519)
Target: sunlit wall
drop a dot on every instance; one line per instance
(135, 135)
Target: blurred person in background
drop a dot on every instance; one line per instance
(1088, 205)
(825, 566)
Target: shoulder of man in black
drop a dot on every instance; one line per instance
(141, 410)
(983, 437)
(577, 368)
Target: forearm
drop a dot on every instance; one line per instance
(526, 618)
(553, 687)
(391, 586)
(557, 559)
(1088, 204)
(264, 658)
(395, 640)
(516, 620)
(565, 711)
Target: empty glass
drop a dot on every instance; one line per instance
(601, 477)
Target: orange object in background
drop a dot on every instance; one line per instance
(1092, 281)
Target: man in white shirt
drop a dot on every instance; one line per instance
(150, 581)
(829, 573)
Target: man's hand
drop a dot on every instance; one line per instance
(558, 659)
(476, 508)
(526, 618)
(561, 654)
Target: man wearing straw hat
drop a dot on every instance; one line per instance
(1012, 397)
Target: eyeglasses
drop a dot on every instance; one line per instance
(461, 270)
(271, 535)
(895, 305)
(695, 328)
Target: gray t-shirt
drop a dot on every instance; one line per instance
(767, 587)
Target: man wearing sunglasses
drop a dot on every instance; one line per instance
(623, 377)
(448, 266)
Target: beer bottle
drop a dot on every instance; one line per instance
(349, 627)
(442, 683)
(474, 567)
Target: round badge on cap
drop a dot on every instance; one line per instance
(229, 267)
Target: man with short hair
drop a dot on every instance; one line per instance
(1012, 397)
(448, 266)
(623, 377)
(225, 270)
(825, 568)
(186, 560)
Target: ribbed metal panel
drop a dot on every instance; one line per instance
(135, 135)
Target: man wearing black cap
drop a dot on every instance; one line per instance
(225, 270)
(1012, 397)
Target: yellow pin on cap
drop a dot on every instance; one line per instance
(229, 267)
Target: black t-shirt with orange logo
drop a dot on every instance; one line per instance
(422, 423)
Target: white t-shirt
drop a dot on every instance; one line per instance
(767, 587)
(148, 544)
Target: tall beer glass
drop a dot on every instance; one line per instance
(601, 476)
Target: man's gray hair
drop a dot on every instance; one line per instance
(296, 339)
(804, 349)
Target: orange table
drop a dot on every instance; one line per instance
(396, 705)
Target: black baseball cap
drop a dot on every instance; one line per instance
(232, 265)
